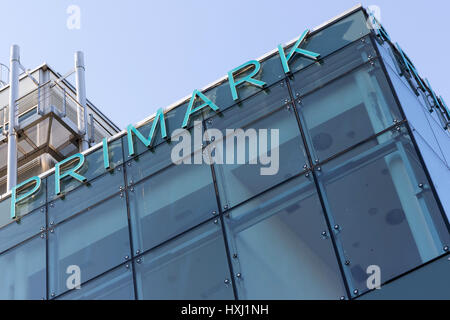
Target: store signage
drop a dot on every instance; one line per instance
(409, 71)
(29, 187)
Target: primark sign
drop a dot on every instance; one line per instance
(28, 188)
(31, 186)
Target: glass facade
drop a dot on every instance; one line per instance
(351, 191)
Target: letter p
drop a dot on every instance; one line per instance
(15, 199)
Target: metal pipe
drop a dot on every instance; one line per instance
(92, 131)
(81, 98)
(12, 135)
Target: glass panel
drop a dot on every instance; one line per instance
(193, 266)
(260, 104)
(23, 273)
(85, 196)
(93, 167)
(271, 71)
(416, 113)
(171, 202)
(160, 157)
(348, 110)
(331, 67)
(430, 282)
(29, 225)
(331, 39)
(115, 285)
(23, 207)
(239, 180)
(293, 259)
(96, 241)
(383, 205)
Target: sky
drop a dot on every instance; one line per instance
(142, 55)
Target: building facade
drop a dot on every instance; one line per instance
(361, 189)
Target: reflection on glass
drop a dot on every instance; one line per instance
(384, 206)
(348, 110)
(239, 180)
(115, 285)
(23, 273)
(29, 225)
(193, 266)
(282, 252)
(95, 241)
(170, 202)
(96, 191)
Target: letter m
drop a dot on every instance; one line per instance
(159, 118)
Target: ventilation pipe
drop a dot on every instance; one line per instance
(12, 135)
(81, 98)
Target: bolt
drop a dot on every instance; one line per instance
(42, 209)
(138, 251)
(225, 207)
(216, 221)
(235, 255)
(214, 213)
(52, 230)
(421, 185)
(126, 257)
(129, 164)
(319, 168)
(238, 275)
(53, 294)
(127, 266)
(226, 281)
(342, 297)
(355, 291)
(213, 138)
(347, 262)
(139, 261)
(52, 223)
(336, 227)
(446, 248)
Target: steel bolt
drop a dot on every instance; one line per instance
(347, 262)
(355, 291)
(226, 281)
(126, 257)
(238, 275)
(445, 248)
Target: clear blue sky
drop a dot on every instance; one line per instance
(142, 55)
